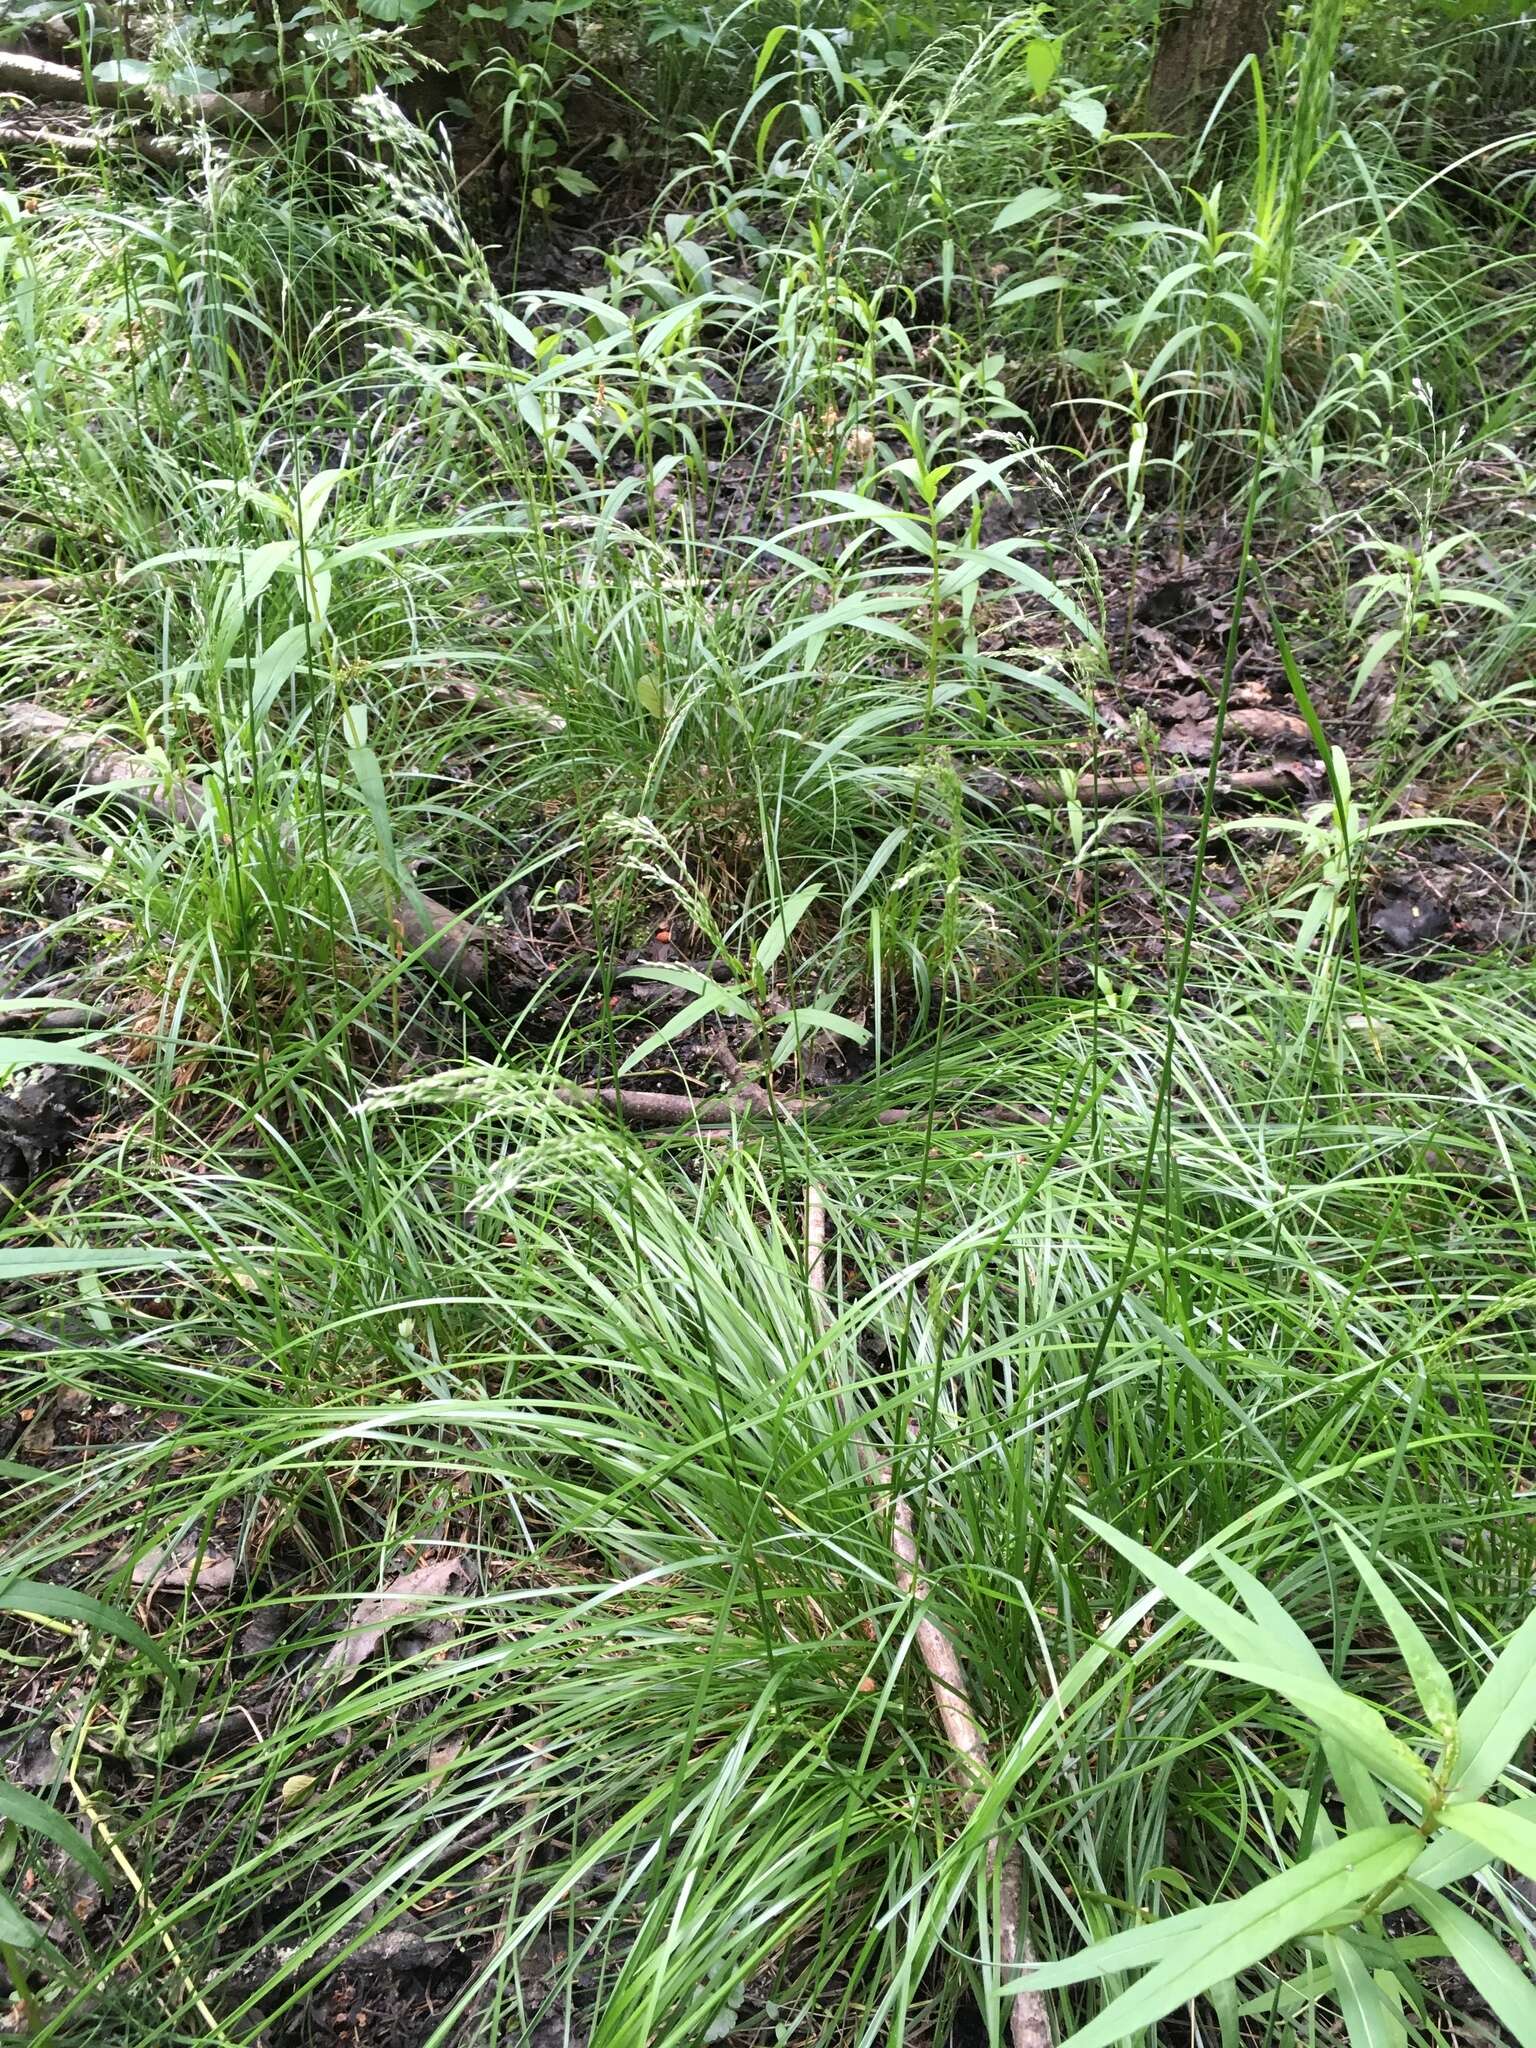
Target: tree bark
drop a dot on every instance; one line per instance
(1200, 43)
(77, 146)
(57, 85)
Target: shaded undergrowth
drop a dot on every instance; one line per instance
(492, 1476)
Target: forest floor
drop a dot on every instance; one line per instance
(672, 910)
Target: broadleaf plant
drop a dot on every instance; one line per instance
(1415, 1823)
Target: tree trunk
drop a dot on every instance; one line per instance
(1200, 43)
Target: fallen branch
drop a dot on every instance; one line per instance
(468, 957)
(1029, 2023)
(35, 79)
(997, 790)
(1029, 2020)
(993, 789)
(97, 763)
(652, 1106)
(519, 703)
(81, 146)
(63, 1017)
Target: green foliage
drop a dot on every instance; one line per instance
(717, 614)
(1341, 1887)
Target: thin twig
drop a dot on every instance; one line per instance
(816, 1250)
(1029, 2020)
(751, 1092)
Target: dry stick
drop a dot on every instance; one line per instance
(1029, 2020)
(466, 956)
(751, 1092)
(78, 146)
(62, 1017)
(30, 586)
(58, 84)
(97, 764)
(993, 789)
(653, 1106)
(1282, 780)
(520, 703)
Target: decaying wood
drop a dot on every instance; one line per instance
(476, 960)
(652, 1106)
(998, 791)
(70, 749)
(48, 84)
(1029, 2020)
(81, 146)
(469, 958)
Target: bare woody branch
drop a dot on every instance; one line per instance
(999, 791)
(82, 146)
(1029, 2020)
(48, 84)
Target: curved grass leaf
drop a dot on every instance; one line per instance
(1227, 1940)
(1370, 2019)
(1484, 1961)
(1509, 1835)
(63, 1603)
(38, 1818)
(1449, 1858)
(1431, 1681)
(1137, 1948)
(1500, 1714)
(1354, 1722)
(1029, 205)
(18, 1053)
(15, 1929)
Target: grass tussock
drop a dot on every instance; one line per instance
(450, 1574)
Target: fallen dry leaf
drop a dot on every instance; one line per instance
(175, 1567)
(400, 1599)
(1282, 730)
(441, 1760)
